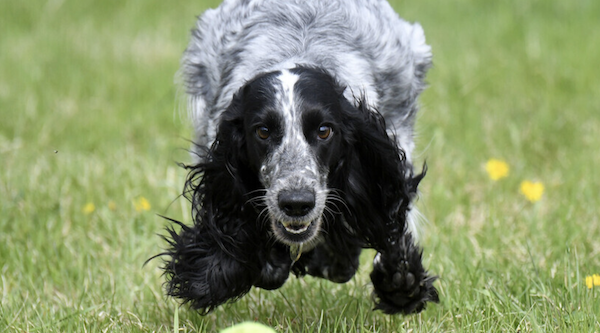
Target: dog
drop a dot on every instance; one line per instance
(303, 113)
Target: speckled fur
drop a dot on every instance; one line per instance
(291, 67)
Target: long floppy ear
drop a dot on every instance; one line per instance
(212, 262)
(379, 188)
(374, 176)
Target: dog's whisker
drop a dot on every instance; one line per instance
(263, 217)
(260, 190)
(333, 199)
(256, 201)
(331, 213)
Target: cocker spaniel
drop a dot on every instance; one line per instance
(304, 113)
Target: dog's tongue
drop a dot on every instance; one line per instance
(295, 252)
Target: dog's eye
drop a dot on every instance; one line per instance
(263, 132)
(324, 132)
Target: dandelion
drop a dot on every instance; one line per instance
(532, 190)
(496, 169)
(88, 208)
(141, 204)
(593, 280)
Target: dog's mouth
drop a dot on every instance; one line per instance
(296, 228)
(296, 233)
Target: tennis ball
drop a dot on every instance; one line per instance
(248, 327)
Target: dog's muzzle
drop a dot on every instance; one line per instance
(296, 203)
(298, 206)
(295, 193)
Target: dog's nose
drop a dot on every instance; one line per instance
(296, 203)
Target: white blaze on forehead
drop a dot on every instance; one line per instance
(292, 165)
(293, 126)
(288, 81)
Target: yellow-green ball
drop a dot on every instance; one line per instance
(248, 327)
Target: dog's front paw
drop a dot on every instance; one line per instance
(401, 284)
(276, 264)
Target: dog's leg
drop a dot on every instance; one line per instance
(275, 268)
(205, 272)
(330, 263)
(401, 284)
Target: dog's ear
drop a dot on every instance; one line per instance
(222, 178)
(379, 189)
(228, 157)
(213, 261)
(374, 175)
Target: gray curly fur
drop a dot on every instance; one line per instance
(363, 43)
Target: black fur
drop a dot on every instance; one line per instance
(230, 248)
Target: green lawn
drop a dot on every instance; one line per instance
(92, 125)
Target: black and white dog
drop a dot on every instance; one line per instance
(304, 113)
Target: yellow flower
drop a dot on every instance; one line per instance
(88, 208)
(593, 280)
(496, 169)
(112, 205)
(532, 190)
(141, 204)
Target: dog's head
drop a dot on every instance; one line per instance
(301, 153)
(293, 131)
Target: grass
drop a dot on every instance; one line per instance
(90, 115)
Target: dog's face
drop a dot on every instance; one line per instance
(293, 134)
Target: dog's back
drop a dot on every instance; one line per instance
(363, 43)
